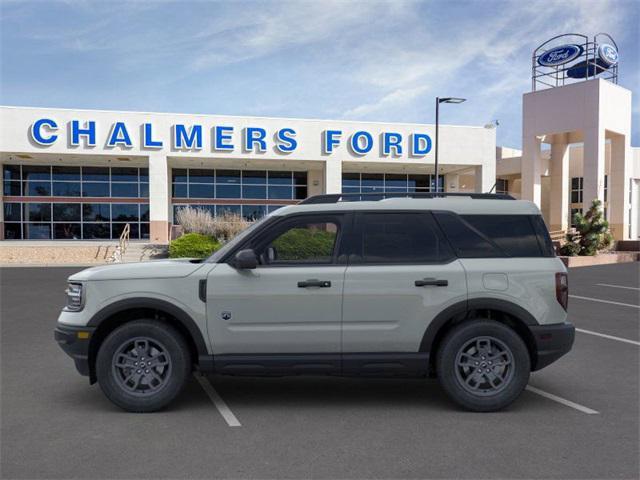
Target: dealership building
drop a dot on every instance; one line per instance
(86, 174)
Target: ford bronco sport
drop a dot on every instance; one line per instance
(462, 287)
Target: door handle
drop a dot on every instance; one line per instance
(314, 283)
(431, 282)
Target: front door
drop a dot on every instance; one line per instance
(291, 303)
(401, 276)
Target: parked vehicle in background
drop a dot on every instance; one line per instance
(463, 287)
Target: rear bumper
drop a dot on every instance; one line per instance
(74, 345)
(552, 342)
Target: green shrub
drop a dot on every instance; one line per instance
(193, 245)
(303, 243)
(591, 234)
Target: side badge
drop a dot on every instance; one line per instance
(226, 315)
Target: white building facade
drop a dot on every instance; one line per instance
(85, 174)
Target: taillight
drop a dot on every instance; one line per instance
(562, 289)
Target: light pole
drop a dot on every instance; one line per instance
(438, 102)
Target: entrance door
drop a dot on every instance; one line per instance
(291, 303)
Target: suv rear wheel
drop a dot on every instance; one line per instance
(483, 365)
(143, 365)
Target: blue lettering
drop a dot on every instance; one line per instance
(119, 136)
(421, 144)
(253, 136)
(329, 141)
(356, 144)
(89, 131)
(186, 139)
(36, 131)
(391, 140)
(286, 141)
(221, 137)
(147, 138)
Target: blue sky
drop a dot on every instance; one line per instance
(368, 60)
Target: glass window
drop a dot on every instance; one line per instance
(37, 212)
(12, 212)
(228, 176)
(11, 172)
(300, 193)
(12, 189)
(144, 174)
(95, 189)
(544, 239)
(70, 231)
(280, 178)
(96, 230)
(307, 241)
(351, 180)
(201, 191)
(124, 190)
(144, 212)
(572, 219)
(144, 230)
(124, 174)
(230, 209)
(300, 178)
(66, 173)
(179, 190)
(37, 189)
(117, 229)
(66, 189)
(66, 212)
(124, 212)
(201, 175)
(372, 180)
(466, 242)
(12, 231)
(396, 181)
(401, 238)
(36, 172)
(144, 190)
(37, 231)
(228, 191)
(254, 212)
(280, 192)
(179, 175)
(502, 186)
(254, 177)
(254, 191)
(419, 181)
(96, 212)
(95, 174)
(514, 234)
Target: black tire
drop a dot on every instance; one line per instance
(463, 367)
(121, 356)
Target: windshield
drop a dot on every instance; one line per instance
(215, 258)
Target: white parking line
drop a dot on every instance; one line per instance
(604, 301)
(217, 400)
(616, 286)
(561, 400)
(610, 337)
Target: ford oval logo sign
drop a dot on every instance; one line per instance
(560, 55)
(608, 54)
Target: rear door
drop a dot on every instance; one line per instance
(401, 274)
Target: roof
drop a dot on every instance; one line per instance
(459, 204)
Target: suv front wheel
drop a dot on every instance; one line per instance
(483, 365)
(143, 365)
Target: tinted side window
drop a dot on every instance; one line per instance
(514, 234)
(544, 239)
(466, 242)
(305, 241)
(400, 238)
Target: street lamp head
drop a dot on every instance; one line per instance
(451, 100)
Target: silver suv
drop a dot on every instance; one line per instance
(463, 287)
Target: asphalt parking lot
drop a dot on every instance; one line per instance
(580, 419)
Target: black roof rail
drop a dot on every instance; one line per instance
(372, 196)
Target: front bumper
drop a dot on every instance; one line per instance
(552, 342)
(75, 343)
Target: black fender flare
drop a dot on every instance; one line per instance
(156, 304)
(461, 310)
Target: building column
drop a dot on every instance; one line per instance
(559, 201)
(618, 190)
(531, 169)
(332, 176)
(485, 177)
(593, 167)
(159, 198)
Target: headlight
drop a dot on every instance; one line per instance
(75, 300)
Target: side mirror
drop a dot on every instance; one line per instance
(245, 260)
